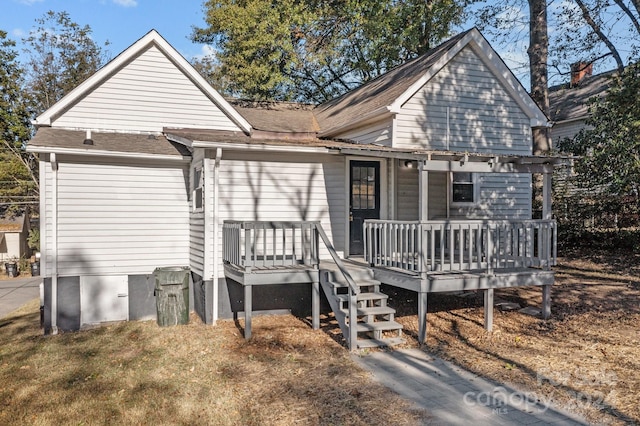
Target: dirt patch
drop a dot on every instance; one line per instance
(585, 358)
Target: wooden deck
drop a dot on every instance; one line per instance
(493, 255)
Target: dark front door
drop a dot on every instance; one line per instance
(364, 201)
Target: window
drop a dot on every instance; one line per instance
(463, 188)
(197, 188)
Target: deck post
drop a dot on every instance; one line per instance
(422, 317)
(315, 305)
(546, 301)
(247, 311)
(488, 309)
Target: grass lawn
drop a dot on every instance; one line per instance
(139, 373)
(585, 358)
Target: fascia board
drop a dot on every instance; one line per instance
(103, 153)
(263, 147)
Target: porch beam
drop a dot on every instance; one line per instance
(485, 167)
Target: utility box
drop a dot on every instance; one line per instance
(172, 295)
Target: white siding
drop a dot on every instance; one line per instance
(375, 133)
(147, 94)
(283, 187)
(46, 221)
(116, 218)
(196, 221)
(482, 115)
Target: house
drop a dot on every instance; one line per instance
(14, 232)
(420, 179)
(569, 102)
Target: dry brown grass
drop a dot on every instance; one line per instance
(139, 373)
(586, 358)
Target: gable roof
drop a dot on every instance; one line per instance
(151, 38)
(569, 103)
(385, 95)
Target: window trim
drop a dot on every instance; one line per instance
(475, 189)
(197, 188)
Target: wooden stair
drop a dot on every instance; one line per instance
(375, 323)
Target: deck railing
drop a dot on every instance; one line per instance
(460, 245)
(263, 244)
(252, 244)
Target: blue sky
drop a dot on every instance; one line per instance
(122, 22)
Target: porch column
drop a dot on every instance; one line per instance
(546, 195)
(423, 192)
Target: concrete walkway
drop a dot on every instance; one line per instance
(15, 292)
(454, 396)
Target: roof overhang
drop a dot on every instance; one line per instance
(105, 153)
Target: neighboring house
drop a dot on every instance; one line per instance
(423, 175)
(14, 232)
(569, 102)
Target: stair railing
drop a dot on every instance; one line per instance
(354, 290)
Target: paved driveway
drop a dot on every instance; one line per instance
(15, 292)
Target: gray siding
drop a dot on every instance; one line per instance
(482, 115)
(407, 194)
(283, 187)
(561, 131)
(501, 196)
(148, 94)
(380, 133)
(117, 218)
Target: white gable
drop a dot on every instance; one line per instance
(464, 107)
(496, 68)
(147, 94)
(146, 88)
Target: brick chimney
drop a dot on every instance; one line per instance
(580, 70)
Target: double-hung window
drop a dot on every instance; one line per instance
(463, 188)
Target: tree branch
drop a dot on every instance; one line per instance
(601, 35)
